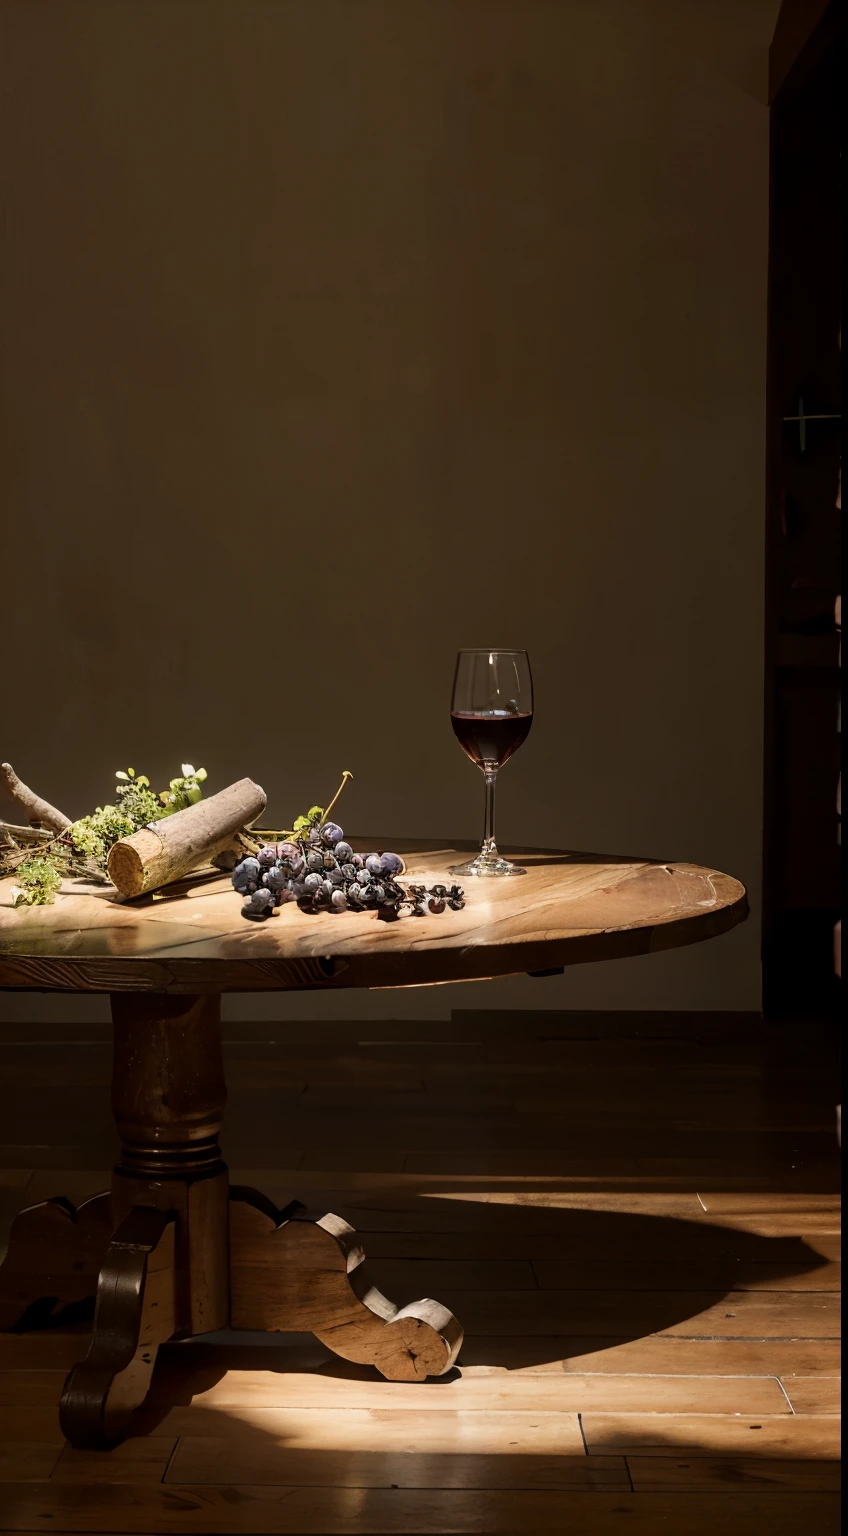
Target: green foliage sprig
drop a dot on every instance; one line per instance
(315, 818)
(84, 846)
(184, 791)
(39, 880)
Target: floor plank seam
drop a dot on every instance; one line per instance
(751, 1338)
(167, 1467)
(786, 1395)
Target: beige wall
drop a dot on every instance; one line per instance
(340, 333)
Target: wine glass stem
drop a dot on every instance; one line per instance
(489, 847)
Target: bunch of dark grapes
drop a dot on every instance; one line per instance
(323, 874)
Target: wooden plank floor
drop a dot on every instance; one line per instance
(635, 1217)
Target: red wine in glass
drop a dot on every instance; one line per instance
(491, 715)
(490, 736)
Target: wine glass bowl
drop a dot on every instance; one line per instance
(491, 716)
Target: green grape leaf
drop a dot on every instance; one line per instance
(121, 775)
(188, 771)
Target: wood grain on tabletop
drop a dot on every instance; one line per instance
(567, 908)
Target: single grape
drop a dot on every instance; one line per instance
(330, 861)
(267, 855)
(357, 861)
(342, 851)
(364, 877)
(327, 889)
(259, 903)
(315, 860)
(336, 876)
(331, 832)
(391, 864)
(354, 891)
(245, 876)
(338, 901)
(374, 864)
(313, 882)
(275, 878)
(378, 892)
(349, 871)
(288, 851)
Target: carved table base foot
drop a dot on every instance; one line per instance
(136, 1312)
(55, 1253)
(299, 1271)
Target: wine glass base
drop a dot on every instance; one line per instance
(486, 866)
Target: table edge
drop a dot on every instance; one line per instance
(110, 973)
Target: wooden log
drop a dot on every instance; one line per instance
(168, 849)
(39, 811)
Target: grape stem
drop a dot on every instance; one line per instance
(345, 776)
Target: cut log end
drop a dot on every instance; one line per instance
(125, 862)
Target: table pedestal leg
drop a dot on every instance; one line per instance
(168, 1247)
(165, 1273)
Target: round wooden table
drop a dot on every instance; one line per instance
(171, 1251)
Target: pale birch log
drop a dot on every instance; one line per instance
(170, 848)
(36, 809)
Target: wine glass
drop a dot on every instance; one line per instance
(491, 715)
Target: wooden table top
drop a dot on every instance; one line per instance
(568, 908)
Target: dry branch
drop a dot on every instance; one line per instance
(169, 849)
(14, 834)
(37, 810)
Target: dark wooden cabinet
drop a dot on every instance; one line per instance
(803, 532)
